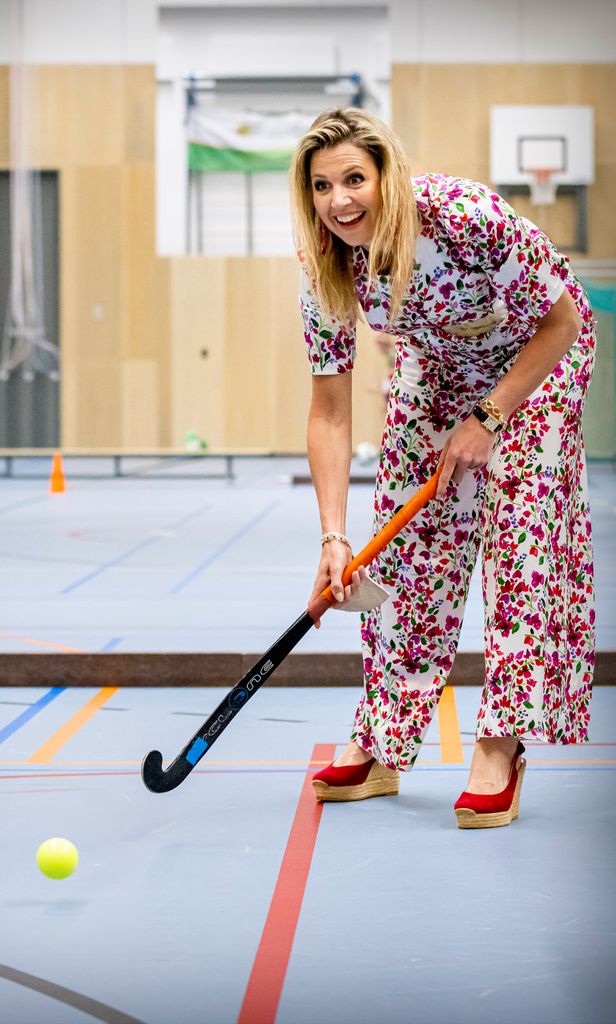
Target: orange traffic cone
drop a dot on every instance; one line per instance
(56, 480)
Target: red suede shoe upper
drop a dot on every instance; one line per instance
(346, 775)
(493, 803)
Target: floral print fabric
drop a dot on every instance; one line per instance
(483, 276)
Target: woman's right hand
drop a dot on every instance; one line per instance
(335, 556)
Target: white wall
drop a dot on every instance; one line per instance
(299, 40)
(125, 31)
(503, 31)
(79, 31)
(283, 41)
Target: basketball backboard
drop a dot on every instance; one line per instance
(554, 139)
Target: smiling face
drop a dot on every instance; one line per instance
(346, 192)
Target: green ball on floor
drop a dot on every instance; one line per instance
(57, 858)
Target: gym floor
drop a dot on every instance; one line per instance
(236, 897)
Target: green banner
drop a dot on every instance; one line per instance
(217, 160)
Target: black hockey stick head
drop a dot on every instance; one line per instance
(160, 780)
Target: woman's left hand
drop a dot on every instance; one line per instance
(468, 447)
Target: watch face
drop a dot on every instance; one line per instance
(489, 422)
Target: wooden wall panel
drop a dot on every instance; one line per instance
(253, 390)
(113, 309)
(85, 114)
(162, 310)
(139, 403)
(139, 112)
(292, 378)
(197, 326)
(442, 113)
(79, 115)
(139, 264)
(250, 370)
(4, 117)
(93, 302)
(69, 402)
(97, 413)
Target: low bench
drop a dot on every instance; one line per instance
(117, 456)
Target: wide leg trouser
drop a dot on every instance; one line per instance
(528, 510)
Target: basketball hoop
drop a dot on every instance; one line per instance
(542, 185)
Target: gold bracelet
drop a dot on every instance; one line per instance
(332, 535)
(492, 409)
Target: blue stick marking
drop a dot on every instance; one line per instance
(30, 712)
(198, 748)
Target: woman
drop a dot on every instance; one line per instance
(495, 347)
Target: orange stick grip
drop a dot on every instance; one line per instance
(380, 541)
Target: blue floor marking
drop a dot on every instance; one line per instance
(224, 547)
(108, 565)
(22, 504)
(30, 712)
(187, 519)
(111, 644)
(127, 554)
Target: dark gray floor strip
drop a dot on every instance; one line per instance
(66, 995)
(211, 669)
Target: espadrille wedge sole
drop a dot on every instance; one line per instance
(380, 782)
(467, 818)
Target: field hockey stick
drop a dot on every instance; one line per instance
(161, 780)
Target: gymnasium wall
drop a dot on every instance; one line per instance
(421, 31)
(154, 346)
(441, 112)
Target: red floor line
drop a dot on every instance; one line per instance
(264, 988)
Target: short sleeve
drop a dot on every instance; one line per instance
(483, 230)
(330, 343)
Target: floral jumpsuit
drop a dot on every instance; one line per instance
(483, 277)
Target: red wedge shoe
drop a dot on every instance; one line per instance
(355, 781)
(478, 810)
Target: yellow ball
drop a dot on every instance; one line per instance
(57, 858)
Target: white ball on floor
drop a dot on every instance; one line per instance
(366, 452)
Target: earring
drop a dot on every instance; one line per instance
(324, 238)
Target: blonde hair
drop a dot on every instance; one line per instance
(393, 245)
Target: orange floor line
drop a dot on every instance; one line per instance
(41, 643)
(61, 737)
(449, 729)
